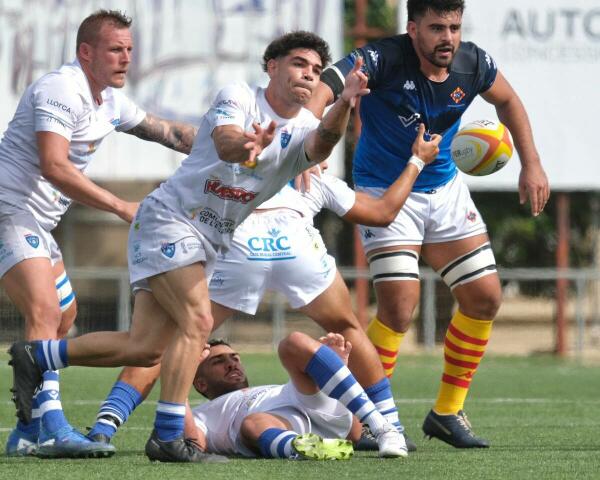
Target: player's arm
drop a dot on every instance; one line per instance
(320, 99)
(59, 171)
(533, 183)
(320, 142)
(191, 431)
(234, 145)
(177, 136)
(381, 211)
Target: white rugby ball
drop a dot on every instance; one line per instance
(482, 147)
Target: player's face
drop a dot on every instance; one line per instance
(436, 37)
(110, 56)
(296, 75)
(222, 372)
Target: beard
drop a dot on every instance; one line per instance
(433, 58)
(218, 388)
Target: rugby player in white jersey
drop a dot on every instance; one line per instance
(179, 227)
(60, 121)
(277, 248)
(302, 418)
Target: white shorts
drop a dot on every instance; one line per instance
(316, 413)
(443, 215)
(161, 240)
(21, 237)
(272, 250)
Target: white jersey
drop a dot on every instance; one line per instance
(326, 191)
(220, 419)
(60, 102)
(216, 195)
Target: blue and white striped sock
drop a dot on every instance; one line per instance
(52, 417)
(169, 421)
(336, 381)
(115, 410)
(276, 443)
(381, 395)
(51, 354)
(32, 429)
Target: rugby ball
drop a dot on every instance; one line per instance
(482, 147)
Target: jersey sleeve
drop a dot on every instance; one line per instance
(130, 114)
(57, 106)
(337, 195)
(487, 70)
(231, 107)
(335, 75)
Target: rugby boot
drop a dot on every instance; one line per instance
(312, 447)
(178, 450)
(367, 441)
(99, 438)
(391, 443)
(27, 376)
(69, 443)
(20, 444)
(455, 430)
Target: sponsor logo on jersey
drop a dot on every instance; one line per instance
(217, 280)
(223, 113)
(374, 56)
(471, 216)
(409, 85)
(457, 95)
(168, 249)
(227, 192)
(57, 104)
(408, 121)
(33, 240)
(91, 147)
(273, 247)
(212, 219)
(285, 138)
(116, 122)
(368, 233)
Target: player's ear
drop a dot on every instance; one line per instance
(411, 29)
(271, 67)
(200, 385)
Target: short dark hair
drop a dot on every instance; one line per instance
(283, 45)
(418, 8)
(90, 27)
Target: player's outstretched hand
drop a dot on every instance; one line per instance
(356, 83)
(258, 140)
(533, 184)
(426, 150)
(338, 344)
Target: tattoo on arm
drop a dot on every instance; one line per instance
(328, 136)
(175, 135)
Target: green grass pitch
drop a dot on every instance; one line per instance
(541, 414)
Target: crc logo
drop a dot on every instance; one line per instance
(269, 244)
(227, 192)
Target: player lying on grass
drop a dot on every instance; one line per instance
(277, 248)
(308, 417)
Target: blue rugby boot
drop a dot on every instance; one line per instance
(455, 430)
(20, 444)
(69, 443)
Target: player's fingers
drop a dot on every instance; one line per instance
(257, 128)
(435, 139)
(522, 194)
(249, 145)
(323, 340)
(534, 201)
(298, 182)
(271, 128)
(348, 346)
(306, 180)
(421, 130)
(358, 63)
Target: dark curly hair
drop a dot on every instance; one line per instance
(283, 45)
(418, 8)
(91, 25)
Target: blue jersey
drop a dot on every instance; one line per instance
(402, 97)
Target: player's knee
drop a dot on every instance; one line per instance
(250, 429)
(397, 316)
(296, 346)
(198, 326)
(44, 315)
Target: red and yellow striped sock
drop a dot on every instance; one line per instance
(464, 347)
(387, 343)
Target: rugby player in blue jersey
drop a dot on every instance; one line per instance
(428, 75)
